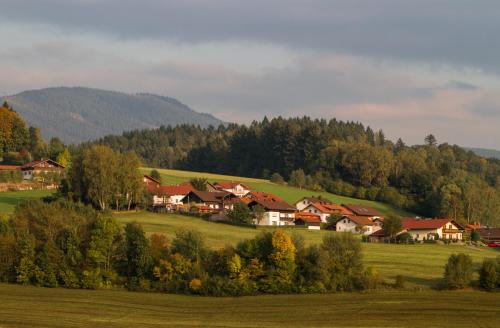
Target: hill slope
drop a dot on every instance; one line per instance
(81, 114)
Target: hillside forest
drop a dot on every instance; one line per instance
(346, 158)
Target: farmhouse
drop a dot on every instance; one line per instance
(324, 210)
(277, 213)
(216, 200)
(358, 224)
(427, 229)
(35, 169)
(237, 188)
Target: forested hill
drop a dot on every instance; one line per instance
(80, 114)
(345, 158)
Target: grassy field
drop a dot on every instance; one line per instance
(289, 194)
(41, 307)
(421, 264)
(10, 199)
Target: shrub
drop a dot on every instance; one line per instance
(475, 236)
(404, 238)
(400, 282)
(458, 271)
(277, 178)
(489, 274)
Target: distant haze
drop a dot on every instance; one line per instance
(408, 67)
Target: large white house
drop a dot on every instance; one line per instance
(276, 213)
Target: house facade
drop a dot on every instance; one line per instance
(275, 213)
(311, 221)
(358, 224)
(37, 169)
(426, 229)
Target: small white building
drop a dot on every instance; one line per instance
(358, 224)
(237, 188)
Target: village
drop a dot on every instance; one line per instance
(314, 213)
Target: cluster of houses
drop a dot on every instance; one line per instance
(35, 169)
(311, 212)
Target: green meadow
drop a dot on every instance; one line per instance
(25, 306)
(10, 199)
(421, 264)
(289, 194)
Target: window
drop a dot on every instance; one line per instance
(345, 221)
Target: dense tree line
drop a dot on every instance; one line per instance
(75, 246)
(20, 144)
(346, 158)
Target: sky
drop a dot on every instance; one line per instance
(408, 67)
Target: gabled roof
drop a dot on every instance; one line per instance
(230, 185)
(209, 196)
(35, 164)
(360, 220)
(312, 199)
(307, 217)
(273, 205)
(362, 210)
(259, 195)
(176, 190)
(151, 178)
(418, 224)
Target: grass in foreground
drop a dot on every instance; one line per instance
(10, 199)
(82, 308)
(422, 264)
(289, 194)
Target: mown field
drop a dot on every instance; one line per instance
(41, 307)
(422, 264)
(289, 194)
(9, 200)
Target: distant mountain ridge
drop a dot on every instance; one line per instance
(485, 152)
(77, 114)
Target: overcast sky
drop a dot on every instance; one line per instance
(407, 67)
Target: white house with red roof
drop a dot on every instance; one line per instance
(428, 229)
(325, 210)
(237, 188)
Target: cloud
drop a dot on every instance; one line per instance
(410, 68)
(463, 33)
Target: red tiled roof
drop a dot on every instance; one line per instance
(360, 220)
(230, 184)
(10, 167)
(176, 190)
(362, 210)
(259, 195)
(416, 224)
(308, 217)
